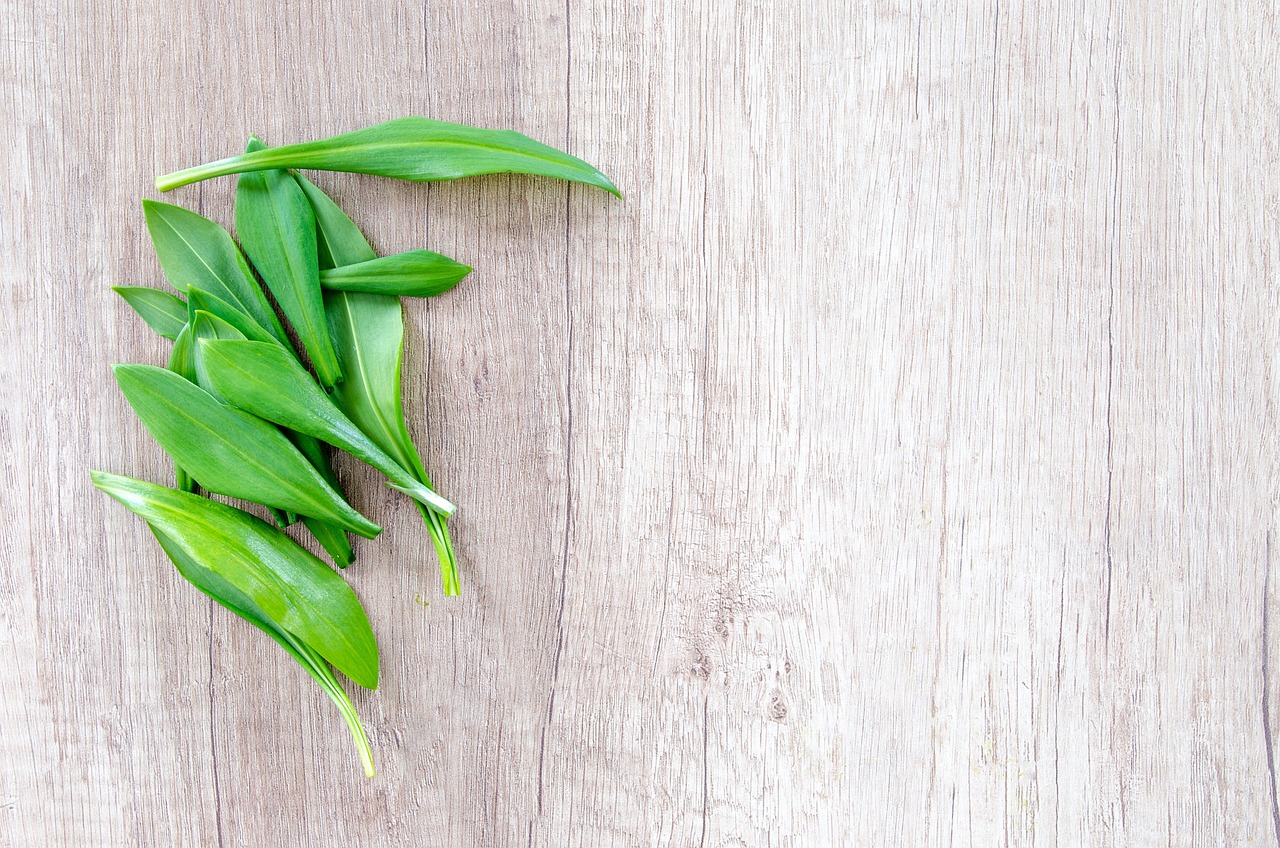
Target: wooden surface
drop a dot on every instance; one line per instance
(896, 465)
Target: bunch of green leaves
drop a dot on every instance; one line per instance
(241, 414)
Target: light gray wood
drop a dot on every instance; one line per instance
(894, 466)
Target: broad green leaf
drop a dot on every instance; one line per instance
(338, 240)
(205, 325)
(292, 587)
(368, 333)
(165, 313)
(334, 539)
(415, 273)
(200, 300)
(231, 452)
(277, 228)
(416, 149)
(182, 361)
(200, 324)
(214, 586)
(195, 251)
(265, 381)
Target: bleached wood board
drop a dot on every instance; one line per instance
(894, 466)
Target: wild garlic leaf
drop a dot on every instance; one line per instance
(332, 538)
(338, 240)
(217, 588)
(416, 149)
(195, 251)
(292, 587)
(164, 312)
(277, 228)
(414, 273)
(205, 325)
(265, 381)
(201, 324)
(200, 300)
(231, 452)
(182, 362)
(368, 333)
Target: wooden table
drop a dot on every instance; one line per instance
(895, 465)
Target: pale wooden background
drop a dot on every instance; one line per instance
(895, 466)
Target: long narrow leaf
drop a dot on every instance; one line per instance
(333, 538)
(195, 251)
(231, 452)
(225, 594)
(416, 149)
(164, 312)
(368, 333)
(182, 361)
(263, 380)
(277, 227)
(415, 273)
(292, 587)
(200, 300)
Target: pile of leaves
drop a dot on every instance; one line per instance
(242, 415)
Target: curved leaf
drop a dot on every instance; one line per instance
(414, 273)
(368, 333)
(217, 588)
(292, 587)
(230, 452)
(277, 228)
(263, 380)
(164, 312)
(195, 251)
(417, 149)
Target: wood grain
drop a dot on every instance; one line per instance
(894, 466)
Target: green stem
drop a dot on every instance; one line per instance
(221, 168)
(349, 715)
(319, 670)
(439, 531)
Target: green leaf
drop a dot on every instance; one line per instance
(368, 333)
(265, 381)
(333, 539)
(292, 587)
(205, 325)
(231, 452)
(224, 593)
(200, 300)
(165, 313)
(277, 227)
(182, 362)
(195, 251)
(338, 240)
(415, 273)
(416, 149)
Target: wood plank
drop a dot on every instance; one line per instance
(893, 465)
